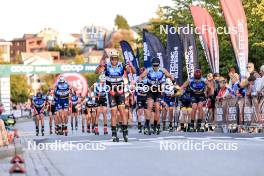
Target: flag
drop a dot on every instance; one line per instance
(152, 48)
(236, 20)
(208, 36)
(174, 56)
(129, 55)
(190, 50)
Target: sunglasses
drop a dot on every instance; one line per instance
(155, 65)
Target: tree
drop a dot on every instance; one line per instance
(180, 14)
(121, 22)
(18, 59)
(20, 90)
(91, 78)
(48, 82)
(79, 59)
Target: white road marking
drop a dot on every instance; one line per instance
(219, 137)
(174, 137)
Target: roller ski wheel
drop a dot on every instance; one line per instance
(105, 131)
(183, 129)
(158, 131)
(201, 129)
(147, 131)
(191, 129)
(125, 138)
(115, 139)
(171, 129)
(96, 132)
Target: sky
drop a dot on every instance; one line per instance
(70, 16)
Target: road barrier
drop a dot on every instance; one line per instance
(240, 114)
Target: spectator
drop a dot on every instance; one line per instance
(2, 109)
(232, 73)
(251, 70)
(260, 81)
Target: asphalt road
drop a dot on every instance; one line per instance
(142, 155)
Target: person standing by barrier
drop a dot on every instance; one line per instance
(211, 97)
(238, 90)
(223, 94)
(259, 83)
(251, 71)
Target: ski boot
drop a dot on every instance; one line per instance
(190, 128)
(96, 131)
(125, 133)
(114, 135)
(158, 130)
(42, 131)
(139, 129)
(170, 128)
(37, 131)
(88, 130)
(62, 130)
(152, 130)
(65, 131)
(147, 131)
(105, 131)
(56, 130)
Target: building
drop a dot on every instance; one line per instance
(40, 58)
(5, 50)
(112, 38)
(93, 56)
(51, 37)
(43, 58)
(72, 41)
(93, 36)
(29, 44)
